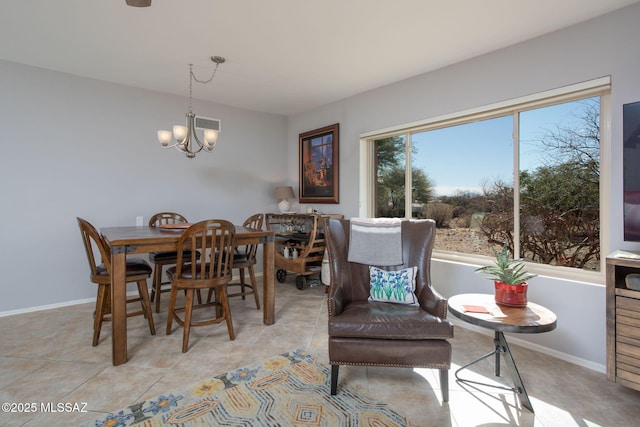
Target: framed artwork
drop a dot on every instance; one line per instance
(319, 165)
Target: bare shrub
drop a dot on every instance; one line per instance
(462, 220)
(441, 213)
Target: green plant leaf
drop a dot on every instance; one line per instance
(506, 270)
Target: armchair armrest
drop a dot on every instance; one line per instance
(335, 300)
(338, 298)
(431, 301)
(337, 248)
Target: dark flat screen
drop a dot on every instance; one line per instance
(631, 171)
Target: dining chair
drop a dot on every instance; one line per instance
(215, 240)
(137, 270)
(164, 258)
(244, 256)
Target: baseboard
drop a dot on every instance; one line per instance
(46, 307)
(71, 303)
(536, 347)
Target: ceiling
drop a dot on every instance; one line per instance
(283, 56)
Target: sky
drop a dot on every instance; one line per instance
(481, 153)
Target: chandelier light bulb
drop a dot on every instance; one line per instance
(164, 136)
(210, 138)
(179, 133)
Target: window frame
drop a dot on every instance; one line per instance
(598, 87)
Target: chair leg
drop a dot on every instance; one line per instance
(242, 283)
(156, 289)
(146, 304)
(227, 312)
(97, 319)
(188, 308)
(334, 379)
(444, 384)
(254, 286)
(172, 308)
(218, 301)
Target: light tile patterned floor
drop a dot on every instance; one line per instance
(47, 357)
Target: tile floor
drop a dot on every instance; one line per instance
(47, 357)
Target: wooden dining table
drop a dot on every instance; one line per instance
(125, 241)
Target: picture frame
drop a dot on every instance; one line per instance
(318, 165)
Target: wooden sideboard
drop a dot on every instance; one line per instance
(623, 320)
(299, 244)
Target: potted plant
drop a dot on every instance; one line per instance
(510, 279)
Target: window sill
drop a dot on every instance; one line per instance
(561, 273)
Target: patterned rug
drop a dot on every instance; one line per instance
(290, 389)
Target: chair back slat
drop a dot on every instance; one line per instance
(91, 237)
(254, 222)
(163, 218)
(215, 240)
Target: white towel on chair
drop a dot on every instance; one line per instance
(376, 241)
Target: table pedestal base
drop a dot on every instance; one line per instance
(501, 347)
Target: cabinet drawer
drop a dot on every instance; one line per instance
(632, 368)
(629, 304)
(630, 333)
(628, 322)
(627, 349)
(628, 361)
(629, 376)
(628, 318)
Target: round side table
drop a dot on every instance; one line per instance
(481, 310)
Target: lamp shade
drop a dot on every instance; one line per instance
(180, 133)
(164, 136)
(284, 193)
(210, 138)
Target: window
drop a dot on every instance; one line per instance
(539, 158)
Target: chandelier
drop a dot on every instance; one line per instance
(186, 138)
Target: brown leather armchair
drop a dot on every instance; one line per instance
(369, 333)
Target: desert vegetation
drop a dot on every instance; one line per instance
(559, 221)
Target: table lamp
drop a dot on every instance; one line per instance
(284, 193)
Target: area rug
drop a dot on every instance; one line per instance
(289, 389)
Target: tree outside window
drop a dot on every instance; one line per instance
(462, 176)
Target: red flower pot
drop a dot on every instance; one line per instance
(511, 295)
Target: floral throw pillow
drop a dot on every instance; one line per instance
(393, 286)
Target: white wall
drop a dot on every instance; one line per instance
(79, 147)
(601, 47)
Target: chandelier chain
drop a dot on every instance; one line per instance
(193, 77)
(204, 81)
